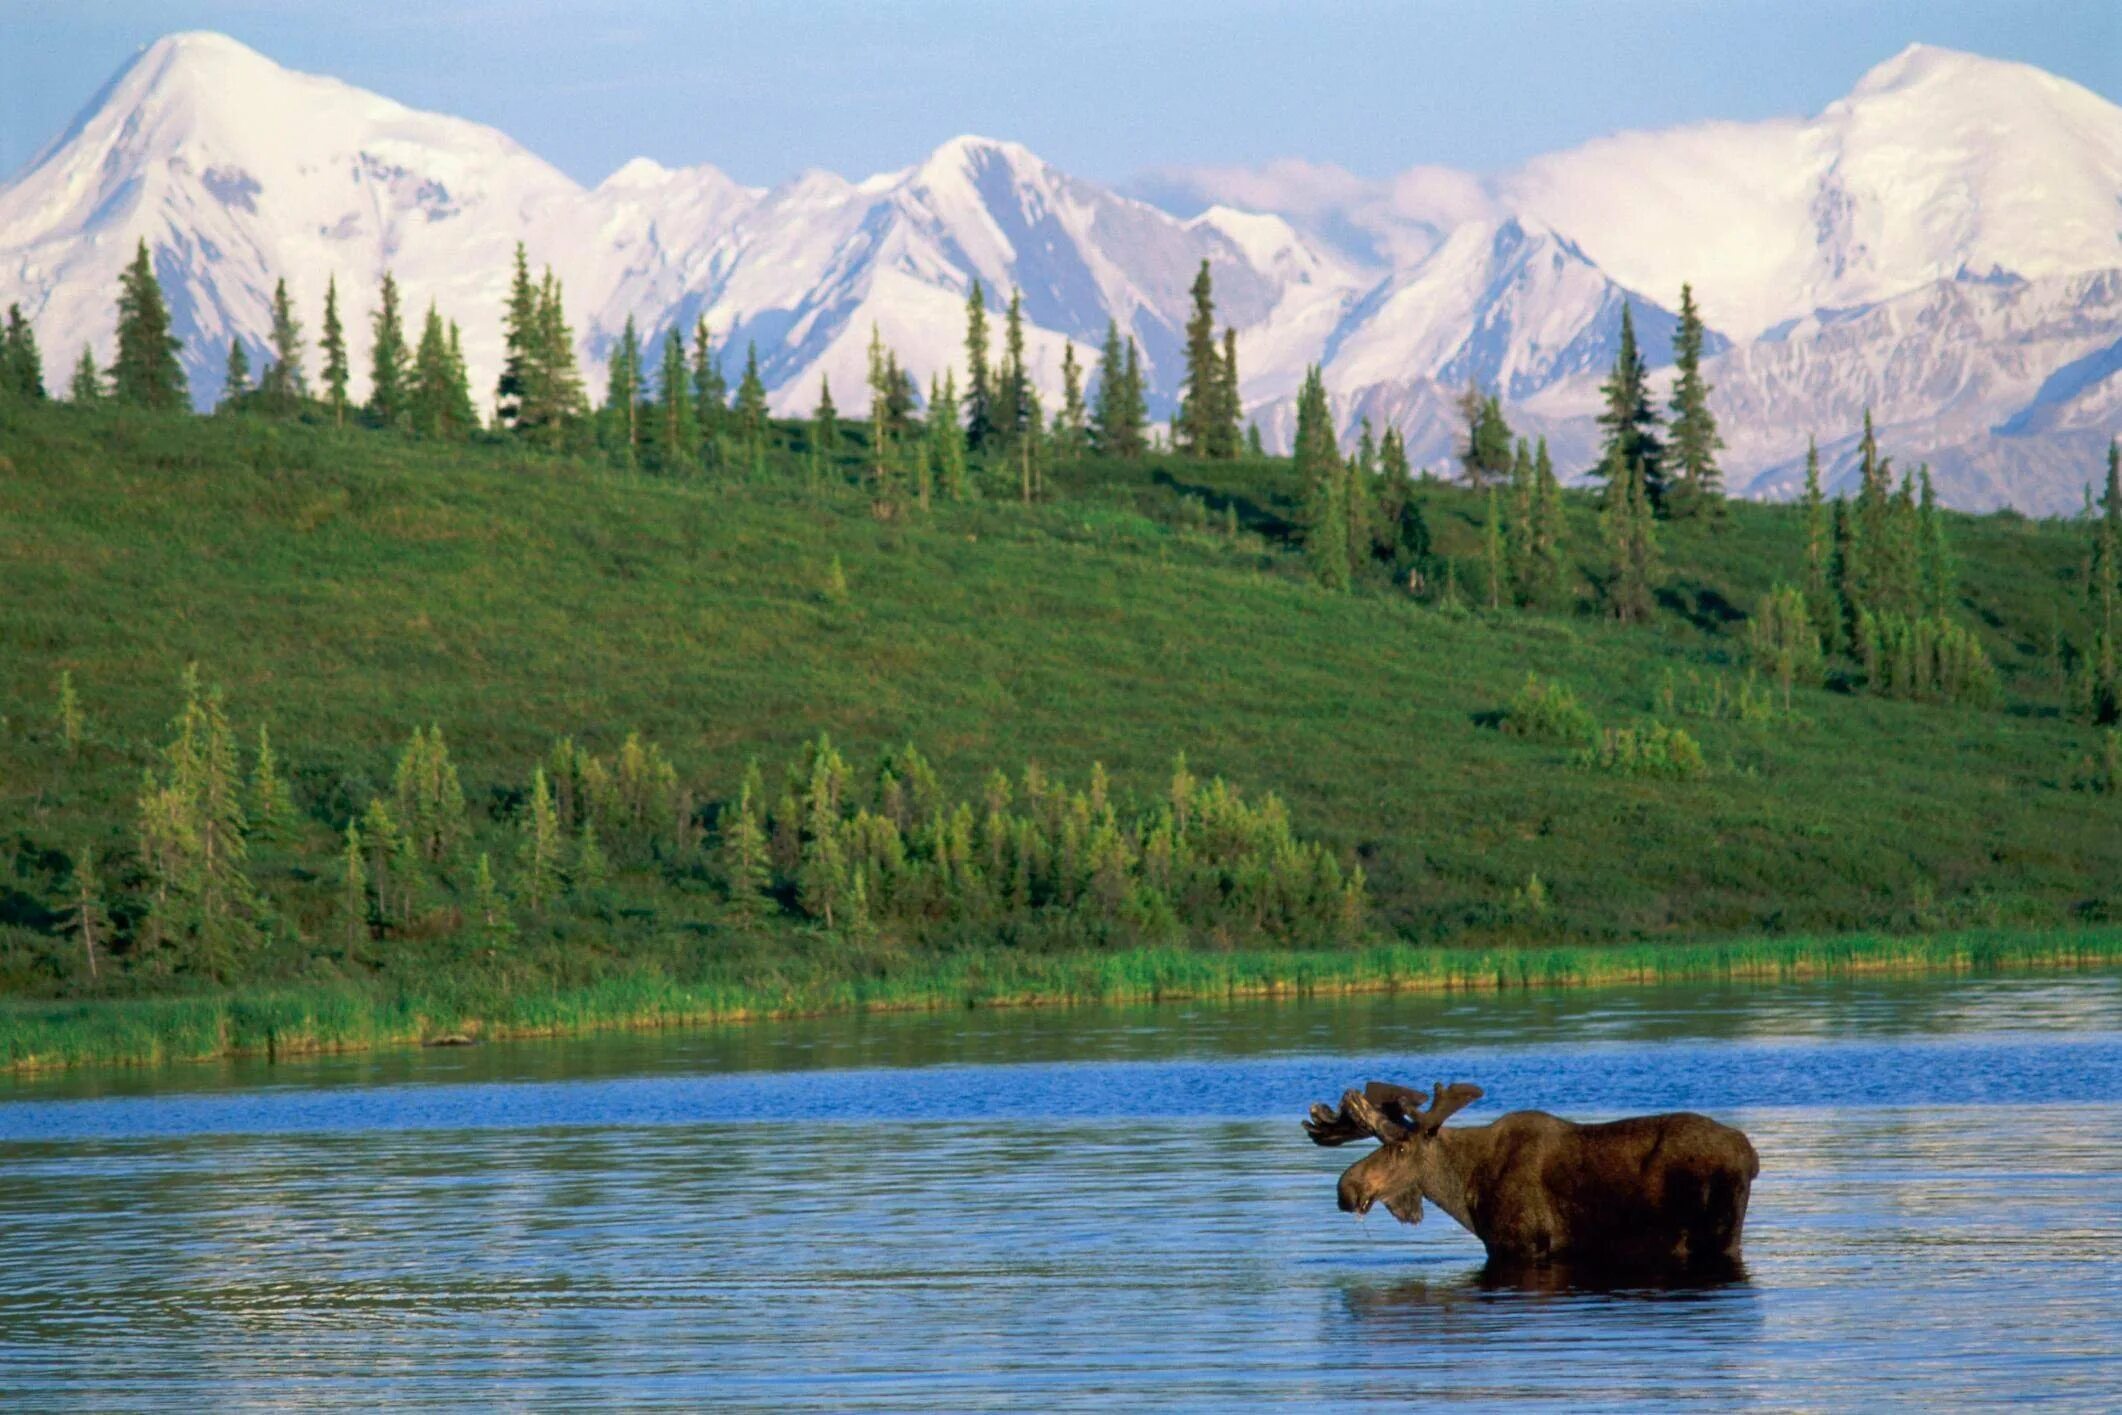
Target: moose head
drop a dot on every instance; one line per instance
(1408, 1164)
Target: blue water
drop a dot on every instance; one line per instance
(1067, 1209)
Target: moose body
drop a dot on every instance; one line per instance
(1663, 1191)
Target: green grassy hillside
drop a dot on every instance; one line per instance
(345, 587)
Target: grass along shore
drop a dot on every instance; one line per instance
(291, 1021)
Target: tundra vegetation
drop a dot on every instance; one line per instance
(327, 724)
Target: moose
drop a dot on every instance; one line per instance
(1653, 1192)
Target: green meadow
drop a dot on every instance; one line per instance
(343, 587)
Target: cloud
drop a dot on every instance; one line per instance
(1393, 221)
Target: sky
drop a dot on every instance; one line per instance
(1106, 90)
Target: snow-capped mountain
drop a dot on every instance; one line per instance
(1943, 245)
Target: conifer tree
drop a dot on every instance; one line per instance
(979, 392)
(284, 382)
(461, 413)
(710, 391)
(1134, 405)
(334, 346)
(947, 439)
(1698, 484)
(519, 324)
(1495, 553)
(1320, 473)
(751, 403)
(1628, 524)
(1781, 639)
(883, 468)
(488, 903)
(747, 871)
(435, 405)
(1233, 402)
(1546, 556)
(1071, 423)
(193, 839)
(145, 372)
(388, 379)
(1108, 406)
(272, 806)
(825, 424)
(235, 375)
(1518, 526)
(538, 855)
(621, 415)
(1201, 400)
(550, 404)
(1359, 508)
(1013, 389)
(21, 366)
(1630, 425)
(72, 729)
(86, 386)
(1253, 447)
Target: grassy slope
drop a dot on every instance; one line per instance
(347, 586)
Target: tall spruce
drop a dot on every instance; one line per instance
(284, 381)
(1628, 524)
(1486, 456)
(1937, 573)
(21, 366)
(1201, 399)
(145, 373)
(235, 375)
(1697, 482)
(1072, 421)
(979, 388)
(86, 385)
(1629, 423)
(710, 391)
(1229, 439)
(439, 403)
(1108, 406)
(389, 363)
(825, 423)
(556, 404)
(333, 345)
(519, 327)
(1013, 386)
(1324, 484)
(1547, 555)
(620, 419)
(751, 411)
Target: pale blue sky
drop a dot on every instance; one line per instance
(1105, 89)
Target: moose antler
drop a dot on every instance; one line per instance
(1384, 1111)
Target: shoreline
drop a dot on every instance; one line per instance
(44, 1036)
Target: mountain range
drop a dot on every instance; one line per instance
(1942, 246)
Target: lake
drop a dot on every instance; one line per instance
(1068, 1208)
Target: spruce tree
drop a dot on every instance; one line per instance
(620, 419)
(86, 386)
(235, 375)
(747, 871)
(1630, 426)
(555, 404)
(751, 407)
(1698, 484)
(1359, 507)
(1324, 482)
(825, 423)
(438, 405)
(1107, 432)
(1071, 424)
(1495, 553)
(284, 382)
(1627, 522)
(1228, 439)
(538, 854)
(979, 392)
(462, 414)
(947, 439)
(1253, 446)
(1201, 400)
(388, 390)
(88, 917)
(272, 805)
(1518, 526)
(710, 391)
(21, 366)
(145, 372)
(334, 346)
(1134, 405)
(1013, 387)
(513, 392)
(1547, 553)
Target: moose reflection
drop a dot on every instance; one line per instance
(1664, 1193)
